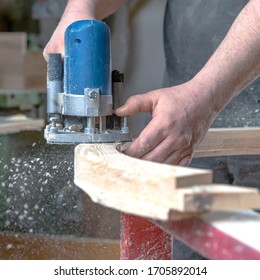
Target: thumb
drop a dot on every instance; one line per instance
(136, 104)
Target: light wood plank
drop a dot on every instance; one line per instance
(218, 197)
(153, 190)
(131, 185)
(230, 141)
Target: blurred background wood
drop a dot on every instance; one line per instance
(43, 247)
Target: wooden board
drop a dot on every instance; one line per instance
(212, 197)
(19, 123)
(153, 190)
(42, 247)
(128, 184)
(230, 141)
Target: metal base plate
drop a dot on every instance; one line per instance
(68, 137)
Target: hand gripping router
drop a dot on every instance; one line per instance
(81, 102)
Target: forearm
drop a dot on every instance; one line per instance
(236, 62)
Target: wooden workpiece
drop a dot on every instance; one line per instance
(230, 141)
(160, 191)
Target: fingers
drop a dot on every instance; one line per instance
(161, 152)
(170, 151)
(150, 137)
(137, 104)
(45, 55)
(185, 161)
(156, 143)
(181, 159)
(169, 137)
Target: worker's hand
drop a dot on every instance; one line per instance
(72, 13)
(78, 10)
(181, 118)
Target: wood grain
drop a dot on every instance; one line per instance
(218, 197)
(151, 189)
(230, 141)
(124, 183)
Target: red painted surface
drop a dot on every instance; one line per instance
(143, 240)
(209, 241)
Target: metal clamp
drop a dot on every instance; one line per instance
(92, 103)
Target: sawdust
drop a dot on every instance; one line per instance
(38, 194)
